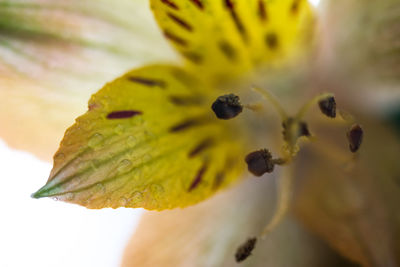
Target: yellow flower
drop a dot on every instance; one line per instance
(150, 138)
(153, 137)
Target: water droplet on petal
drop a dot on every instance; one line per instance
(156, 189)
(119, 129)
(69, 196)
(95, 140)
(146, 158)
(123, 201)
(100, 188)
(136, 198)
(108, 202)
(59, 157)
(124, 166)
(131, 141)
(68, 141)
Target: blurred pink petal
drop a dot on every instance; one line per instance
(208, 234)
(352, 203)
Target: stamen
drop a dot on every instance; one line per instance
(244, 251)
(254, 107)
(328, 106)
(302, 112)
(346, 116)
(260, 162)
(292, 131)
(268, 96)
(227, 107)
(284, 191)
(355, 137)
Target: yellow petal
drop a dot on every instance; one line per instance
(230, 37)
(148, 140)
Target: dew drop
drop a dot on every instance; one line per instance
(136, 198)
(131, 141)
(122, 201)
(146, 158)
(108, 202)
(139, 120)
(156, 189)
(137, 174)
(95, 140)
(119, 129)
(70, 196)
(68, 141)
(124, 166)
(100, 188)
(59, 157)
(149, 134)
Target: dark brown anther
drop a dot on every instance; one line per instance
(355, 137)
(244, 251)
(227, 107)
(260, 162)
(328, 106)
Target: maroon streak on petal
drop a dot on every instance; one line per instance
(174, 38)
(123, 114)
(198, 3)
(180, 21)
(193, 57)
(146, 81)
(203, 145)
(262, 11)
(219, 179)
(170, 4)
(184, 125)
(238, 23)
(295, 7)
(198, 178)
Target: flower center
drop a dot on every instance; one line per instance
(294, 127)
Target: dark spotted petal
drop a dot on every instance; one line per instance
(137, 146)
(221, 38)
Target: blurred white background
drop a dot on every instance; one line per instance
(48, 233)
(314, 2)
